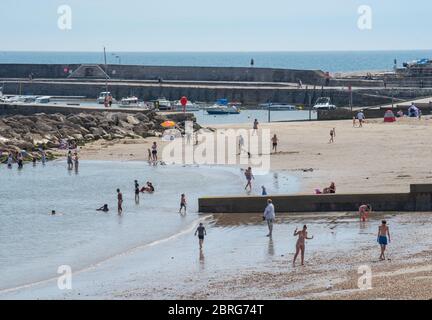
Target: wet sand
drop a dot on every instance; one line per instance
(239, 262)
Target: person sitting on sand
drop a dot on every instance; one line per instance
(104, 208)
(331, 189)
(300, 245)
(383, 238)
(364, 211)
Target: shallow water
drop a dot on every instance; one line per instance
(34, 244)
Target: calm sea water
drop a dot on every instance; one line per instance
(327, 61)
(34, 244)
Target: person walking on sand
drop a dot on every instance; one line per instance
(300, 245)
(383, 238)
(182, 203)
(332, 135)
(240, 144)
(255, 126)
(119, 202)
(137, 191)
(361, 118)
(269, 216)
(154, 152)
(249, 176)
(275, 141)
(201, 231)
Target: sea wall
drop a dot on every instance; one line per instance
(207, 93)
(418, 199)
(135, 72)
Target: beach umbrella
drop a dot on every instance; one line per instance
(168, 124)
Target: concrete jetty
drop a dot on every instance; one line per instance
(418, 199)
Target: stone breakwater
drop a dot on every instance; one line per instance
(48, 131)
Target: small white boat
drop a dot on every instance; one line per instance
(222, 107)
(163, 104)
(324, 103)
(190, 106)
(102, 97)
(278, 107)
(44, 99)
(130, 102)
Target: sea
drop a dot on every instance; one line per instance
(34, 244)
(332, 61)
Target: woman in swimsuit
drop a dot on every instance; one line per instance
(300, 246)
(364, 211)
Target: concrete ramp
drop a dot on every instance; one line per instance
(89, 71)
(418, 199)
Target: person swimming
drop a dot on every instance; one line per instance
(104, 208)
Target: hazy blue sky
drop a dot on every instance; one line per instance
(218, 25)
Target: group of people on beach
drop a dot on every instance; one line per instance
(383, 237)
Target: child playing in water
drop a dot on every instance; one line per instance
(201, 231)
(383, 238)
(183, 203)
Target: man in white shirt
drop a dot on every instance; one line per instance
(361, 118)
(269, 216)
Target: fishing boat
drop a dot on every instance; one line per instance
(222, 107)
(278, 107)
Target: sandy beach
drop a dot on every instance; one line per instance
(376, 158)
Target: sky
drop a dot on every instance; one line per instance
(219, 25)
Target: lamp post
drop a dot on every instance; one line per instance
(106, 71)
